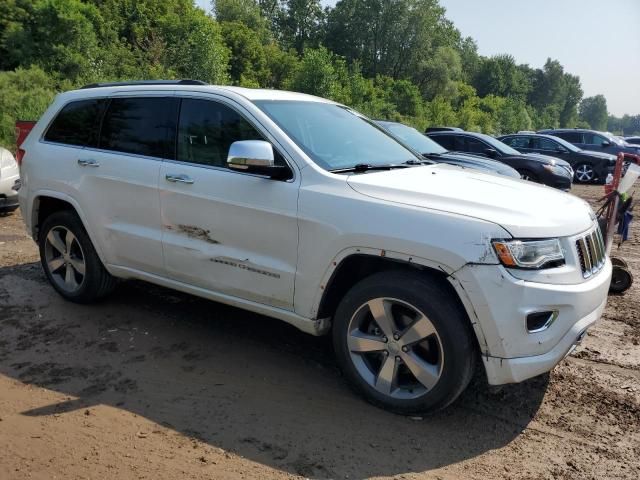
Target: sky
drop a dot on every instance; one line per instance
(595, 39)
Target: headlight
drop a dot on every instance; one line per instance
(556, 169)
(529, 253)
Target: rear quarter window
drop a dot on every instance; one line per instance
(77, 123)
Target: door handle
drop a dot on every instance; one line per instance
(88, 162)
(178, 178)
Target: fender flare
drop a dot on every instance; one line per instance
(35, 197)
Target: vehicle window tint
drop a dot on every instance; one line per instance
(475, 146)
(571, 137)
(518, 142)
(593, 139)
(144, 126)
(545, 144)
(446, 141)
(207, 129)
(77, 123)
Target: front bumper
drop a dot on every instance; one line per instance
(499, 303)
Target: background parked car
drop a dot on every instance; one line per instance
(550, 171)
(593, 140)
(433, 151)
(632, 140)
(9, 181)
(588, 166)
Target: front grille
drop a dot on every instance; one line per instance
(591, 253)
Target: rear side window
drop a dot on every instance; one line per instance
(143, 126)
(571, 137)
(77, 123)
(207, 129)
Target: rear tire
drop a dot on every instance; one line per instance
(70, 261)
(429, 354)
(584, 173)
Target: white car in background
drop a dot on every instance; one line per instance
(9, 181)
(301, 209)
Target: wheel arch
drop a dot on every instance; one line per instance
(46, 203)
(352, 266)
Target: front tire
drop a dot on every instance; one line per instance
(404, 343)
(70, 261)
(528, 175)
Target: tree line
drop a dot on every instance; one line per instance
(393, 59)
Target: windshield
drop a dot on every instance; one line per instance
(413, 138)
(498, 145)
(333, 136)
(570, 146)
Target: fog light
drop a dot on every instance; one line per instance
(539, 321)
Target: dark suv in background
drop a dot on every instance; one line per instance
(588, 166)
(593, 140)
(535, 167)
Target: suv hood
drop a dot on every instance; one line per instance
(524, 209)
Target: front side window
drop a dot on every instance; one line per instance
(333, 136)
(593, 139)
(476, 146)
(206, 130)
(143, 126)
(77, 123)
(517, 142)
(546, 144)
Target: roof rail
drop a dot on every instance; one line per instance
(145, 82)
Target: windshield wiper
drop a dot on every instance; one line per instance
(365, 167)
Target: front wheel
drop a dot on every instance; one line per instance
(404, 343)
(528, 175)
(70, 261)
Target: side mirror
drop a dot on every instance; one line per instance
(491, 152)
(561, 149)
(606, 143)
(256, 156)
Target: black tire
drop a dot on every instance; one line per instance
(621, 280)
(435, 301)
(96, 282)
(528, 175)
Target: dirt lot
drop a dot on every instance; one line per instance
(159, 385)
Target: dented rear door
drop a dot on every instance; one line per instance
(222, 230)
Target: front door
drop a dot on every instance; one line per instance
(226, 231)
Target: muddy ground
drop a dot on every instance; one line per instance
(159, 385)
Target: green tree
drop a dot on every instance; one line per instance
(301, 23)
(24, 95)
(593, 110)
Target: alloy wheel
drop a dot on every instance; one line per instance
(584, 173)
(65, 259)
(395, 348)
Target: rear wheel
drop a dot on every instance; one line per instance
(70, 261)
(584, 173)
(403, 342)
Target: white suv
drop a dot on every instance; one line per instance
(301, 209)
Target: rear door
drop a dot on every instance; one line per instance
(118, 179)
(223, 230)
